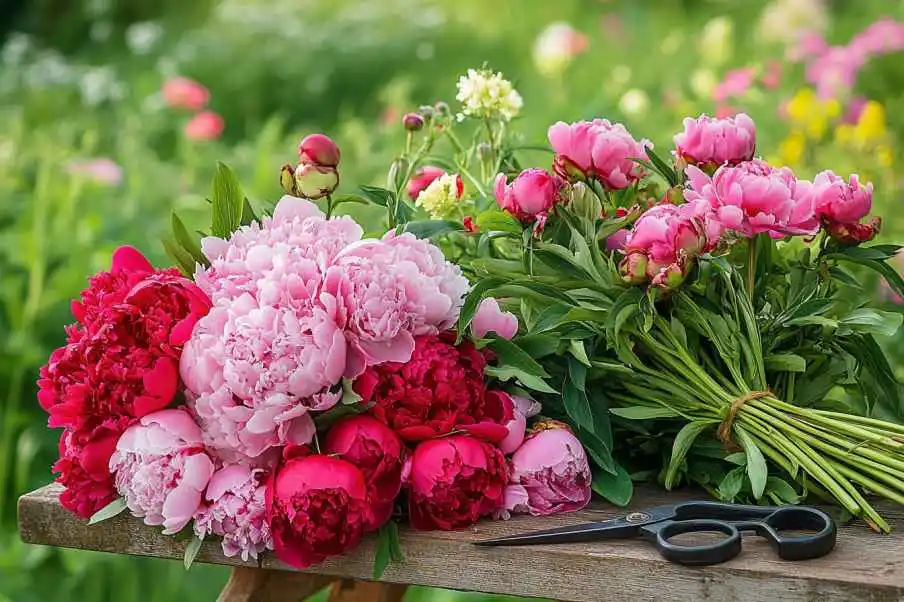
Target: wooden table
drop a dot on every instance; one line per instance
(865, 567)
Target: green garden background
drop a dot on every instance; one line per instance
(91, 155)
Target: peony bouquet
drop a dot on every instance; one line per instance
(296, 386)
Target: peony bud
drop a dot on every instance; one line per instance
(633, 268)
(468, 224)
(287, 180)
(671, 276)
(315, 181)
(413, 122)
(422, 178)
(585, 203)
(531, 195)
(318, 149)
(442, 109)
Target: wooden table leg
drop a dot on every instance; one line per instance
(261, 585)
(348, 590)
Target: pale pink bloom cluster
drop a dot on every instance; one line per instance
(161, 469)
(235, 509)
(710, 141)
(299, 303)
(599, 150)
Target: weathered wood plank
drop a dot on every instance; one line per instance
(864, 566)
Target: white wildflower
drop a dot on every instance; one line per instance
(142, 37)
(483, 93)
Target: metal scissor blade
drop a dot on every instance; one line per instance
(614, 528)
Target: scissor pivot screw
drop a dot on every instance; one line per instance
(638, 517)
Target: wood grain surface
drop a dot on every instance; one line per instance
(865, 567)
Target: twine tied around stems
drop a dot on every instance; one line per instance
(724, 430)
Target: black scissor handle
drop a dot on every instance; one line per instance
(817, 540)
(694, 555)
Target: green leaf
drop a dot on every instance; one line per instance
(109, 511)
(560, 259)
(616, 488)
(248, 214)
(683, 441)
(349, 397)
(785, 362)
(349, 198)
(643, 413)
(509, 354)
(577, 406)
(579, 352)
(383, 554)
(227, 201)
(191, 551)
(731, 484)
(757, 471)
(666, 171)
(404, 211)
(472, 301)
(598, 450)
(551, 317)
(188, 242)
(679, 331)
(377, 195)
(782, 489)
(894, 279)
(737, 458)
(872, 321)
(539, 345)
(182, 258)
(499, 221)
(506, 373)
(432, 228)
(578, 373)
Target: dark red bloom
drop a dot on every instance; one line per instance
(84, 471)
(454, 481)
(316, 507)
(853, 234)
(378, 452)
(441, 388)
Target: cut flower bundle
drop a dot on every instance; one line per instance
(516, 337)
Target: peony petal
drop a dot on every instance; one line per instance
(130, 259)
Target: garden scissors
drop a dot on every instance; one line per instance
(795, 532)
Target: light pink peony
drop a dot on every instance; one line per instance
(236, 511)
(161, 469)
(735, 83)
(490, 318)
(712, 142)
(754, 197)
(253, 372)
(531, 195)
(597, 149)
(840, 201)
(550, 473)
(280, 261)
(386, 292)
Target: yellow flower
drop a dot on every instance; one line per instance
(811, 113)
(845, 133)
(441, 198)
(791, 149)
(884, 155)
(871, 124)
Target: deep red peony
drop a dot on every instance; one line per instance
(84, 471)
(121, 357)
(316, 507)
(441, 389)
(378, 452)
(454, 481)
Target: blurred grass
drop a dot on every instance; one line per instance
(83, 83)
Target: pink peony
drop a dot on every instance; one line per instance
(279, 261)
(711, 142)
(549, 473)
(206, 125)
(840, 201)
(835, 71)
(254, 371)
(422, 178)
(809, 46)
(754, 197)
(597, 149)
(489, 318)
(161, 470)
(185, 93)
(516, 426)
(387, 292)
(235, 510)
(735, 83)
(532, 194)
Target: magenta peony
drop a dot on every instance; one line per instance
(840, 201)
(161, 470)
(532, 194)
(711, 142)
(597, 149)
(422, 178)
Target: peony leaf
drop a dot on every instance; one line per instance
(248, 215)
(616, 488)
(757, 471)
(109, 511)
(577, 406)
(498, 221)
(191, 551)
(505, 373)
(430, 228)
(383, 554)
(680, 446)
(187, 241)
(872, 321)
(377, 195)
(510, 354)
(643, 413)
(183, 259)
(227, 202)
(666, 171)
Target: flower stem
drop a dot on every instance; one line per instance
(751, 267)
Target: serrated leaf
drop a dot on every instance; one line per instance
(188, 242)
(227, 202)
(109, 511)
(500, 221)
(432, 228)
(617, 488)
(191, 551)
(643, 413)
(757, 471)
(680, 446)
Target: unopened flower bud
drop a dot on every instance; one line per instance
(397, 172)
(633, 268)
(585, 203)
(484, 151)
(318, 149)
(442, 109)
(426, 111)
(671, 276)
(315, 181)
(413, 122)
(287, 180)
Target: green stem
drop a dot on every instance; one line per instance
(329, 206)
(751, 267)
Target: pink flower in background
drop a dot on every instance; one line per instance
(387, 292)
(712, 142)
(531, 196)
(101, 170)
(489, 318)
(883, 36)
(772, 75)
(280, 261)
(161, 470)
(854, 110)
(422, 178)
(556, 47)
(253, 372)
(735, 83)
(809, 46)
(754, 197)
(597, 149)
(724, 111)
(834, 72)
(235, 510)
(205, 125)
(550, 473)
(840, 201)
(185, 93)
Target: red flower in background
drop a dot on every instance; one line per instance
(454, 481)
(439, 390)
(317, 507)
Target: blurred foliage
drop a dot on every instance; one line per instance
(80, 80)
